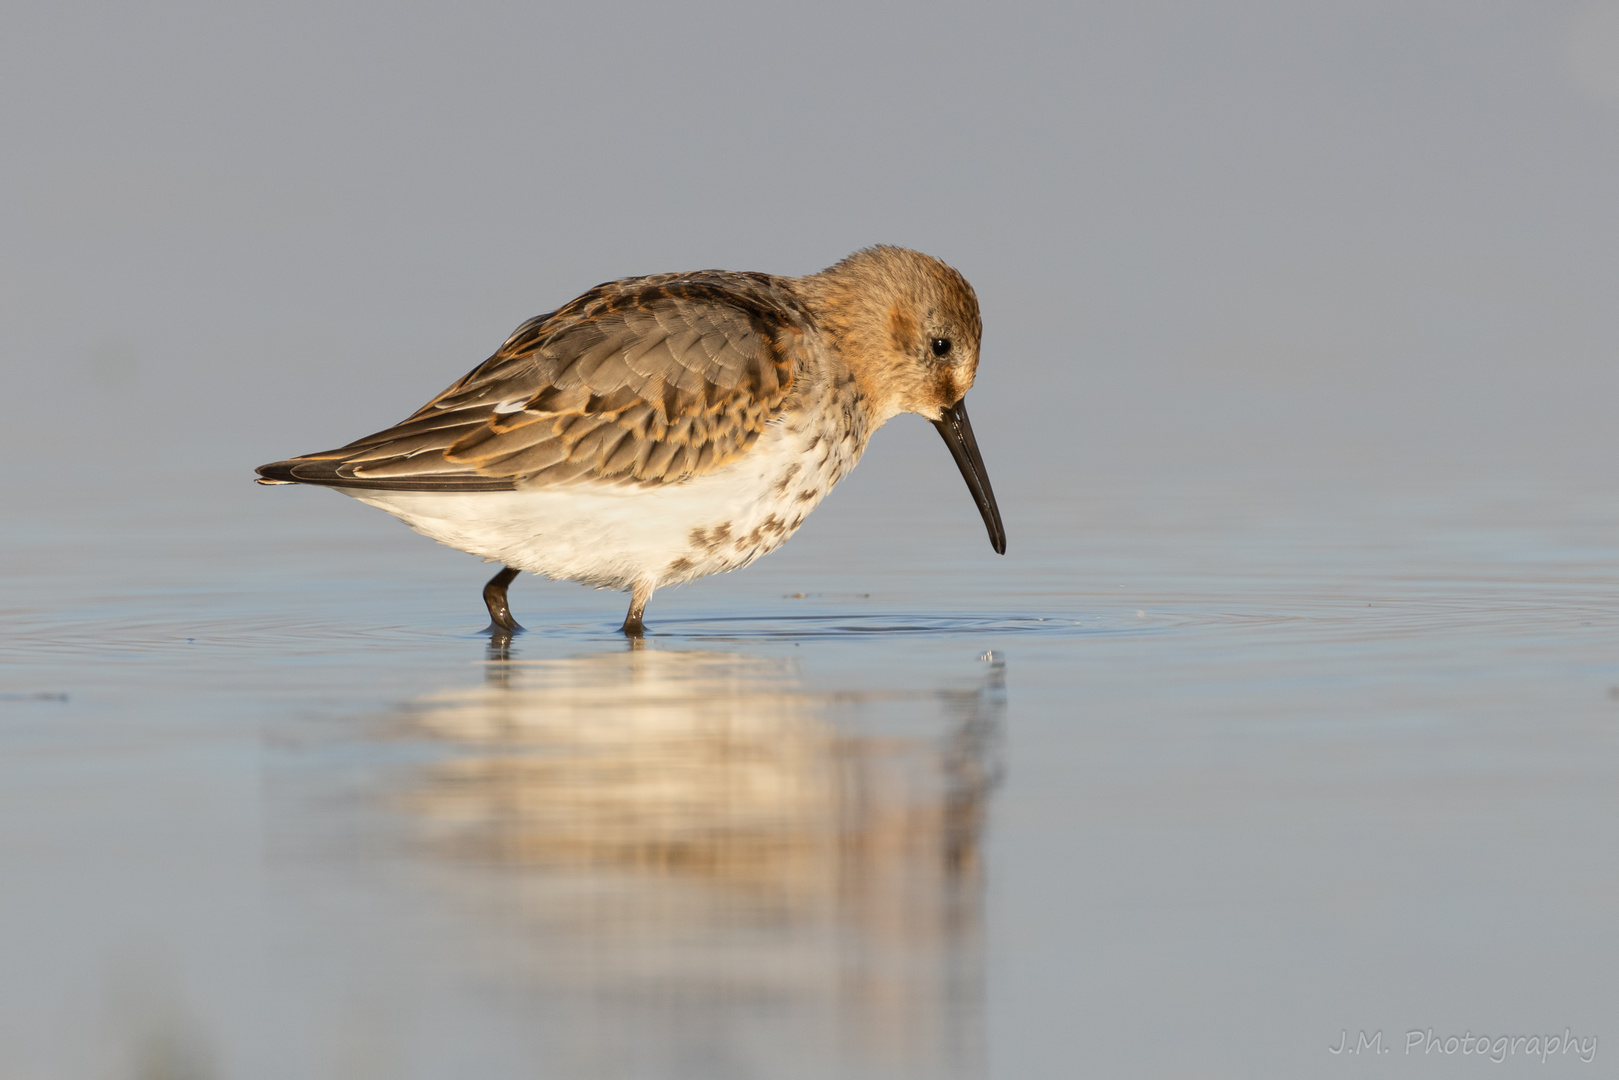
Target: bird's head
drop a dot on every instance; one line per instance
(907, 326)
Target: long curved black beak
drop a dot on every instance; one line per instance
(958, 436)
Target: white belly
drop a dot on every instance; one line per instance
(616, 537)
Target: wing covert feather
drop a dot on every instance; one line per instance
(643, 381)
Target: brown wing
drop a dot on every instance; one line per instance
(648, 380)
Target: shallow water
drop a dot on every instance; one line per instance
(1203, 773)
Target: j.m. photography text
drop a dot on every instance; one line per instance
(1496, 1048)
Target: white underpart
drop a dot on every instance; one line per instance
(618, 536)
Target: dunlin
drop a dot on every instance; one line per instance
(659, 429)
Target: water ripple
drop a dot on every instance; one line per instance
(1251, 619)
(844, 624)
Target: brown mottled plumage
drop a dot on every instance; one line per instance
(657, 429)
(645, 380)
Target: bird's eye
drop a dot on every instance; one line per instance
(941, 347)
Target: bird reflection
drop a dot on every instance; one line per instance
(694, 820)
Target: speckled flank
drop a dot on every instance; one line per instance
(811, 457)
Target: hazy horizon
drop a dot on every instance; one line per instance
(1250, 234)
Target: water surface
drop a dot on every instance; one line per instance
(1203, 773)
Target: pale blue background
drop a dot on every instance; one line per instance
(1300, 385)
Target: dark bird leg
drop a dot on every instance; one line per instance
(501, 622)
(632, 627)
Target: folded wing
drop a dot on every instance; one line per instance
(643, 381)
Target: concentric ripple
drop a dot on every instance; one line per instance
(844, 624)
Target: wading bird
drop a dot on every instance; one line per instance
(659, 429)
